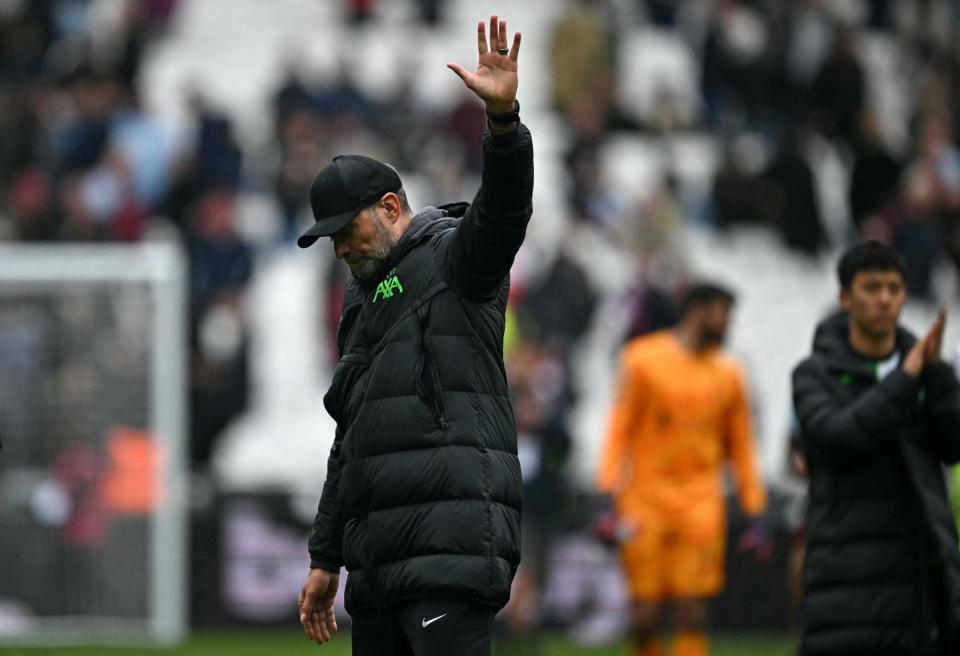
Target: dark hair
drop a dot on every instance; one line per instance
(705, 293)
(868, 256)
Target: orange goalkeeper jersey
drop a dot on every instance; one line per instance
(677, 419)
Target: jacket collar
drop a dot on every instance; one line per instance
(425, 223)
(832, 345)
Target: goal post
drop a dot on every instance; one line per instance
(93, 469)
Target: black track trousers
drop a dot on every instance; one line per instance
(425, 627)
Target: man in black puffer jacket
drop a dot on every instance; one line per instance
(423, 491)
(879, 415)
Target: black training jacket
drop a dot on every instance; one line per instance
(882, 570)
(423, 490)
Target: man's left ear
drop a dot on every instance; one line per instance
(391, 206)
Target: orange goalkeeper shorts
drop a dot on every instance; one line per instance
(674, 558)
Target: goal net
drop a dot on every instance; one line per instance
(92, 428)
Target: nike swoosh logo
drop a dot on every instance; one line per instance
(425, 622)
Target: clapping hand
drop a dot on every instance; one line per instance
(927, 350)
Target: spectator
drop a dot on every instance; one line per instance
(80, 139)
(410, 123)
(662, 13)
(539, 392)
(359, 11)
(301, 154)
(145, 145)
(913, 221)
(591, 198)
(291, 97)
(221, 266)
(734, 187)
(652, 301)
(558, 320)
(430, 12)
(839, 90)
(876, 173)
(787, 198)
(732, 76)
(465, 125)
(218, 156)
(30, 206)
(658, 221)
(343, 105)
(581, 59)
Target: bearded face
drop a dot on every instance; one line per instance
(365, 244)
(716, 322)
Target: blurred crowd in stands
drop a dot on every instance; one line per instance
(778, 80)
(81, 159)
(777, 84)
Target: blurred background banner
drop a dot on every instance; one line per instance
(164, 346)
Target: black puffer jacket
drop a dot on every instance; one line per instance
(423, 490)
(882, 572)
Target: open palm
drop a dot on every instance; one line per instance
(495, 80)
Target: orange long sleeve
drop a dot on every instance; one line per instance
(678, 417)
(742, 455)
(615, 467)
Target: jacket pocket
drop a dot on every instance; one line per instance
(428, 374)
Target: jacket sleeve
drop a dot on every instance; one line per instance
(848, 432)
(326, 536)
(488, 237)
(742, 455)
(942, 404)
(613, 471)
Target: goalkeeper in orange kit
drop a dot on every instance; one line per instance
(680, 415)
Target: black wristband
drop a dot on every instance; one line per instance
(506, 118)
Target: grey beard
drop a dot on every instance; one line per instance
(367, 267)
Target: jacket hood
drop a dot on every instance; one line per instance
(831, 343)
(425, 223)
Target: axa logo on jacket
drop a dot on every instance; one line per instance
(388, 286)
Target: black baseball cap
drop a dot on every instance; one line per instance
(344, 187)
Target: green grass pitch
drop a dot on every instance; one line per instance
(292, 643)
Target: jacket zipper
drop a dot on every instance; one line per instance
(432, 397)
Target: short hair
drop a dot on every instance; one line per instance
(868, 256)
(402, 196)
(702, 294)
(401, 193)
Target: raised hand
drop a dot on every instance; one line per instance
(495, 80)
